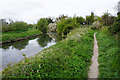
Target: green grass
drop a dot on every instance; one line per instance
(69, 58)
(12, 35)
(108, 56)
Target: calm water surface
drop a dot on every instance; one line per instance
(13, 52)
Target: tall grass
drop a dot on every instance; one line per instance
(108, 56)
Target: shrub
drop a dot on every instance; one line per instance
(95, 26)
(80, 20)
(19, 26)
(62, 24)
(116, 26)
(42, 25)
(67, 28)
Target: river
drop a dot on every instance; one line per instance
(13, 52)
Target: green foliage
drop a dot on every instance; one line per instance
(90, 19)
(42, 25)
(67, 29)
(49, 20)
(108, 56)
(30, 26)
(19, 26)
(95, 25)
(62, 24)
(69, 58)
(4, 26)
(12, 35)
(80, 20)
(116, 26)
(107, 19)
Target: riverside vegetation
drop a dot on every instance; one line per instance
(108, 56)
(71, 57)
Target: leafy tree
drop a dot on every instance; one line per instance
(80, 20)
(90, 19)
(107, 19)
(62, 16)
(42, 25)
(67, 28)
(62, 24)
(116, 26)
(49, 20)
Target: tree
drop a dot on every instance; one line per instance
(49, 20)
(107, 19)
(90, 19)
(42, 25)
(116, 26)
(62, 16)
(62, 24)
(80, 20)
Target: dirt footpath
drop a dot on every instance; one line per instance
(94, 72)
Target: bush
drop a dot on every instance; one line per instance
(67, 28)
(95, 26)
(62, 24)
(80, 20)
(116, 26)
(42, 25)
(19, 26)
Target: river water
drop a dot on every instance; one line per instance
(13, 52)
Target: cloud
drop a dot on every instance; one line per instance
(31, 10)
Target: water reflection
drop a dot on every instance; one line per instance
(13, 52)
(43, 40)
(55, 36)
(18, 45)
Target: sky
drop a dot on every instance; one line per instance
(31, 11)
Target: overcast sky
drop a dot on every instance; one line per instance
(32, 10)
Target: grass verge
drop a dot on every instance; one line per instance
(13, 35)
(108, 56)
(69, 58)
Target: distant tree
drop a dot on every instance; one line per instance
(116, 26)
(49, 20)
(62, 24)
(62, 16)
(80, 20)
(42, 25)
(30, 26)
(107, 19)
(90, 19)
(4, 25)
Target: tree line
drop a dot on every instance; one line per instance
(64, 23)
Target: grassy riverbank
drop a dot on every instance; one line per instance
(68, 58)
(13, 35)
(108, 56)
